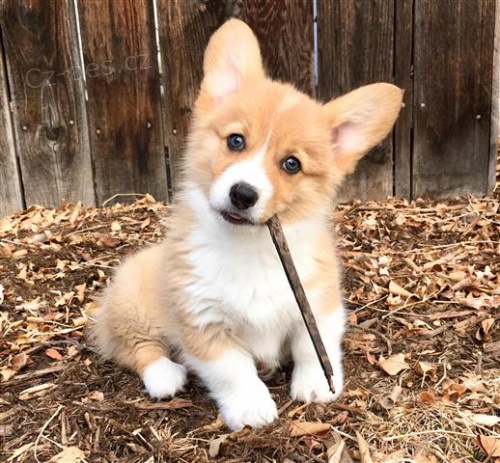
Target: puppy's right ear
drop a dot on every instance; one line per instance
(232, 60)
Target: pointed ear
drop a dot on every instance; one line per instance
(361, 119)
(232, 59)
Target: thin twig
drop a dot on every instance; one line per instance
(44, 427)
(119, 195)
(300, 296)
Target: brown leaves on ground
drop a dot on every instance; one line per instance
(308, 428)
(394, 364)
(422, 353)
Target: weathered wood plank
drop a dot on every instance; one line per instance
(495, 102)
(185, 27)
(11, 194)
(124, 107)
(355, 47)
(403, 68)
(285, 32)
(454, 41)
(47, 101)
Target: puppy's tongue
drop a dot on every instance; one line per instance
(234, 216)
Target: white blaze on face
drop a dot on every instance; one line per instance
(251, 171)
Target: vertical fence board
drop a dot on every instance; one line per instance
(355, 47)
(48, 101)
(11, 195)
(495, 102)
(185, 27)
(285, 32)
(124, 107)
(453, 96)
(403, 68)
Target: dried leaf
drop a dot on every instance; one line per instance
(19, 361)
(423, 457)
(19, 254)
(174, 404)
(214, 447)
(108, 240)
(453, 391)
(7, 251)
(394, 364)
(80, 291)
(79, 321)
(397, 290)
(364, 451)
(69, 455)
(389, 401)
(53, 354)
(307, 428)
(6, 373)
(484, 332)
(214, 425)
(427, 397)
(490, 445)
(426, 369)
(2, 289)
(95, 396)
(484, 420)
(338, 453)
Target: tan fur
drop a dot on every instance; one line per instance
(145, 312)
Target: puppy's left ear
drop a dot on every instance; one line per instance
(361, 119)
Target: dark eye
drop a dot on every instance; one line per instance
(291, 165)
(236, 142)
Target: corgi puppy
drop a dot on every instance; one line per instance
(213, 298)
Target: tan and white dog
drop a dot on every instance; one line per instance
(214, 292)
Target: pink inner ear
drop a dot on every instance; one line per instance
(346, 137)
(225, 80)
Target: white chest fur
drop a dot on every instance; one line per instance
(240, 281)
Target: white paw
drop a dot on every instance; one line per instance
(253, 407)
(309, 385)
(163, 378)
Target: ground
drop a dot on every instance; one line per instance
(422, 354)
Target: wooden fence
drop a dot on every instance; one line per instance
(88, 111)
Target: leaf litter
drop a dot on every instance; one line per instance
(422, 353)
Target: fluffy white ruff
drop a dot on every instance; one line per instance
(163, 378)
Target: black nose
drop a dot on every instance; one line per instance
(243, 195)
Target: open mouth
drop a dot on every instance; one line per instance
(235, 218)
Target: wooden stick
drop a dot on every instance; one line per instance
(300, 296)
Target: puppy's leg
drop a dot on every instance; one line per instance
(241, 396)
(130, 326)
(308, 379)
(162, 377)
(136, 346)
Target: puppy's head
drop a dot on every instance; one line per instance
(259, 147)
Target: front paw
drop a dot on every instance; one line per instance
(164, 378)
(310, 385)
(253, 407)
